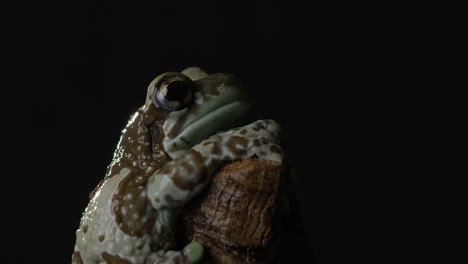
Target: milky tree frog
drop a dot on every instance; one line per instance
(167, 153)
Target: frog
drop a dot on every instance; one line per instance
(166, 154)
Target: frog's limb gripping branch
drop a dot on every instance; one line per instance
(184, 177)
(178, 181)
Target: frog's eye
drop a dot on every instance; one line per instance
(173, 92)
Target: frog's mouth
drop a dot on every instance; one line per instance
(204, 127)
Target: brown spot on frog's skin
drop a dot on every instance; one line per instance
(85, 228)
(237, 145)
(216, 149)
(133, 212)
(258, 126)
(276, 149)
(188, 184)
(76, 258)
(187, 167)
(114, 259)
(165, 170)
(257, 143)
(101, 238)
(264, 142)
(243, 131)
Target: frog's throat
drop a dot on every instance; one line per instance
(203, 127)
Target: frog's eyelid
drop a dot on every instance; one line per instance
(195, 73)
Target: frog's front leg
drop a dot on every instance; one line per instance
(184, 177)
(180, 180)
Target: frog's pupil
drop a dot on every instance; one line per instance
(178, 91)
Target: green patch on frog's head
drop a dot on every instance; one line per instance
(199, 105)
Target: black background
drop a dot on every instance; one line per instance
(369, 95)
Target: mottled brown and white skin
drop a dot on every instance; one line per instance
(166, 155)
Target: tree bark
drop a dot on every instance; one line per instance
(237, 218)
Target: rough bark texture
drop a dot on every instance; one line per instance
(237, 217)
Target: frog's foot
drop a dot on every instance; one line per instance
(192, 253)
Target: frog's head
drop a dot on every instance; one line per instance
(198, 105)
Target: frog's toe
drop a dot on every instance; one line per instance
(273, 126)
(193, 252)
